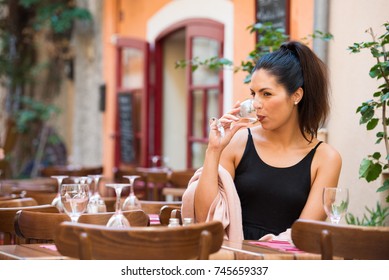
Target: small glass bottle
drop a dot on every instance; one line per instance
(174, 222)
(187, 222)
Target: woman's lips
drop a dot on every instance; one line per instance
(260, 118)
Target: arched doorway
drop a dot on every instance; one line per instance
(183, 100)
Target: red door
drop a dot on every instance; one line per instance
(132, 103)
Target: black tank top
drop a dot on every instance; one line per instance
(272, 198)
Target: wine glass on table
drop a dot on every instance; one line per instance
(57, 199)
(118, 220)
(154, 160)
(74, 198)
(335, 203)
(96, 203)
(131, 202)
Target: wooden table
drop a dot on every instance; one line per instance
(229, 251)
(245, 250)
(30, 252)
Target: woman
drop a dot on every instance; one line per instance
(279, 168)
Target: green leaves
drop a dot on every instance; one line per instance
(58, 15)
(370, 168)
(373, 217)
(214, 63)
(33, 111)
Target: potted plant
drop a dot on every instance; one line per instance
(374, 114)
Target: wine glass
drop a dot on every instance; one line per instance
(96, 203)
(131, 202)
(335, 203)
(248, 111)
(57, 199)
(118, 220)
(74, 198)
(154, 160)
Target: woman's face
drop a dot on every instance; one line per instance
(274, 105)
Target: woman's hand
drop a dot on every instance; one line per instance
(223, 129)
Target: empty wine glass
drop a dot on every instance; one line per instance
(118, 220)
(57, 199)
(335, 203)
(131, 202)
(154, 160)
(74, 198)
(96, 203)
(248, 111)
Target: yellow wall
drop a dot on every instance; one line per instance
(301, 18)
(135, 14)
(244, 16)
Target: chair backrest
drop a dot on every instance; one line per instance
(345, 241)
(180, 178)
(37, 227)
(7, 217)
(168, 212)
(18, 202)
(139, 185)
(155, 182)
(71, 171)
(83, 241)
(154, 207)
(41, 197)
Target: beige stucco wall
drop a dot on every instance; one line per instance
(351, 85)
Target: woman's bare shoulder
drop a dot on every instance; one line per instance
(328, 154)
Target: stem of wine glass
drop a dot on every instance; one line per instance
(118, 191)
(132, 180)
(59, 181)
(96, 179)
(74, 219)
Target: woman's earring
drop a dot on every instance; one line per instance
(296, 102)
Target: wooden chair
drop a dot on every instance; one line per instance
(83, 241)
(156, 181)
(41, 197)
(344, 241)
(71, 170)
(18, 202)
(154, 207)
(139, 185)
(37, 227)
(168, 212)
(178, 182)
(7, 217)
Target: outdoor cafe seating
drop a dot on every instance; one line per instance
(84, 241)
(344, 241)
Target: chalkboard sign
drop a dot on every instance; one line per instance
(126, 128)
(273, 11)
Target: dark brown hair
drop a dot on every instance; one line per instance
(296, 65)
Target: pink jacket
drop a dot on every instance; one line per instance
(225, 208)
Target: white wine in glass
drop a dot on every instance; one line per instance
(335, 203)
(74, 198)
